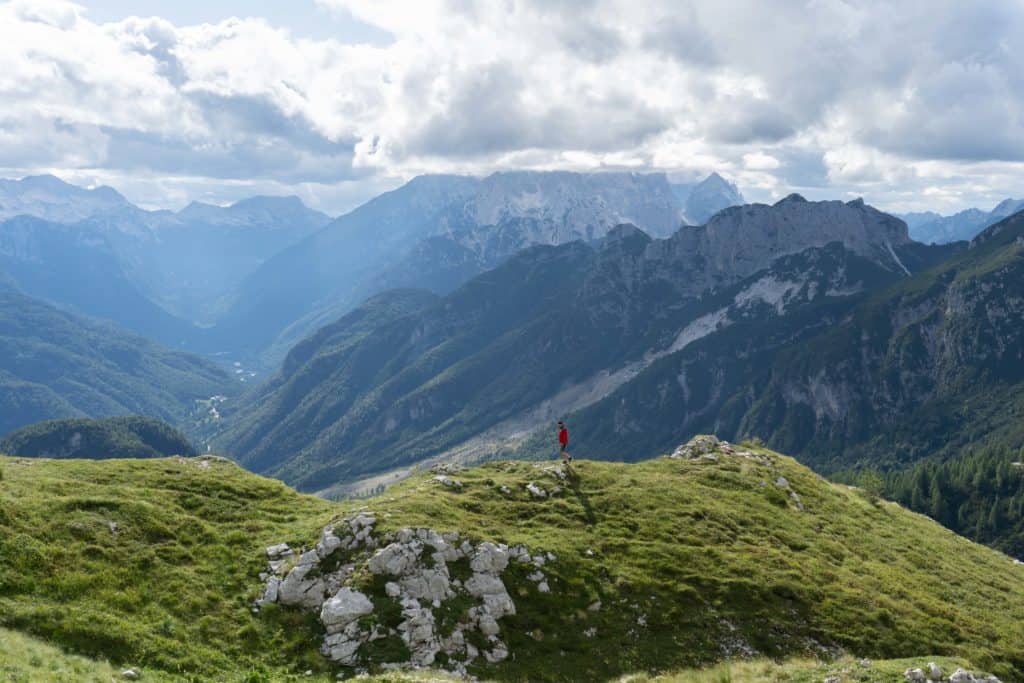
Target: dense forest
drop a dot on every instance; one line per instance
(979, 494)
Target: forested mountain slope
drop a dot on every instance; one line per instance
(555, 329)
(54, 364)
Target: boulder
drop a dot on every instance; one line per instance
(270, 592)
(298, 591)
(489, 559)
(396, 559)
(696, 447)
(961, 676)
(276, 552)
(536, 491)
(488, 625)
(915, 676)
(934, 671)
(498, 653)
(432, 585)
(130, 674)
(328, 543)
(341, 648)
(343, 609)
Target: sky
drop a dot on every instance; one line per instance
(912, 104)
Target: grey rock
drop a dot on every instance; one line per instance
(328, 543)
(489, 558)
(298, 591)
(696, 447)
(961, 676)
(536, 491)
(431, 585)
(396, 559)
(934, 671)
(270, 593)
(343, 609)
(130, 674)
(498, 653)
(341, 648)
(488, 625)
(915, 676)
(276, 552)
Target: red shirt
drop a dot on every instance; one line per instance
(563, 436)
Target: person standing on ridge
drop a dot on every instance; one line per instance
(563, 439)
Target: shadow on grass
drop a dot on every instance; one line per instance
(573, 481)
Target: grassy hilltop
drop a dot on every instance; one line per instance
(155, 563)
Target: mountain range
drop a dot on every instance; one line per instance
(554, 330)
(436, 232)
(932, 228)
(251, 279)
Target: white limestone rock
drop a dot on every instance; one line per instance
(536, 491)
(343, 609)
(489, 559)
(298, 591)
(276, 552)
(396, 559)
(696, 447)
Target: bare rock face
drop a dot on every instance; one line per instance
(415, 564)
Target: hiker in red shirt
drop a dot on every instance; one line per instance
(563, 439)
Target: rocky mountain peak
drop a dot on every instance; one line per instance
(50, 198)
(708, 197)
(792, 198)
(742, 240)
(577, 205)
(1008, 207)
(625, 231)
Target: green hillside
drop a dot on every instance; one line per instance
(155, 564)
(56, 365)
(113, 437)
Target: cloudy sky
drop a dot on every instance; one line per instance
(913, 104)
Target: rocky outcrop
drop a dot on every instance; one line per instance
(709, 448)
(932, 673)
(428, 579)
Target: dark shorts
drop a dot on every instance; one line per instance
(564, 446)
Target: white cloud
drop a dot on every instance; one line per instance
(826, 97)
